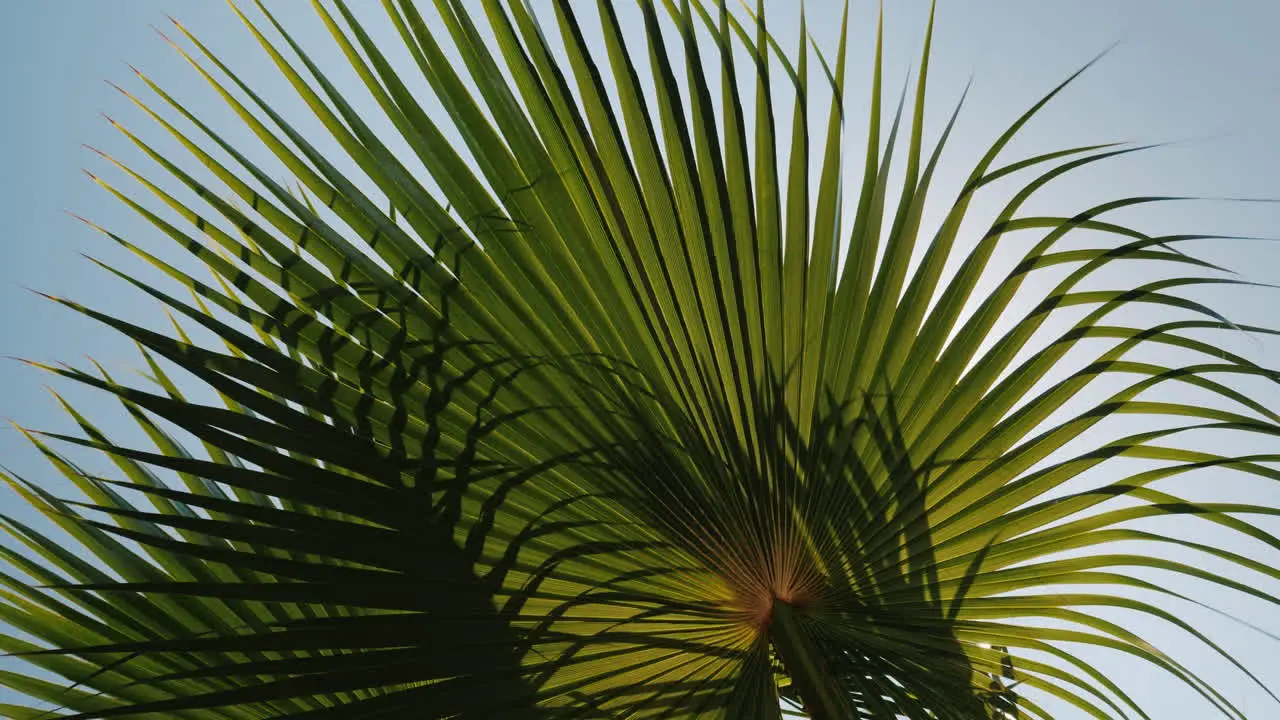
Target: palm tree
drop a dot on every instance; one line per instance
(569, 391)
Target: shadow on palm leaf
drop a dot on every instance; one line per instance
(336, 582)
(380, 568)
(808, 559)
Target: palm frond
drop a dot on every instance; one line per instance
(567, 388)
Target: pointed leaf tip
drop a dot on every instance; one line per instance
(163, 35)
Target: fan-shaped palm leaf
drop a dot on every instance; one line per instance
(606, 415)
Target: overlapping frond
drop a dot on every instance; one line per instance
(614, 412)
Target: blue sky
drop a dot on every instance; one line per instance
(1201, 75)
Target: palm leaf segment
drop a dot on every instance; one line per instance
(588, 421)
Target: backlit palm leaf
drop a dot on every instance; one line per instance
(612, 412)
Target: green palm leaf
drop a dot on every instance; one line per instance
(578, 395)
